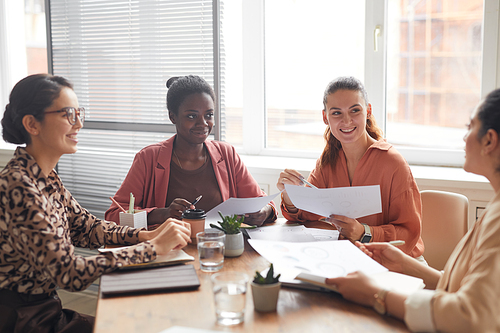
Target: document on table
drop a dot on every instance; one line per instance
(238, 206)
(296, 233)
(314, 261)
(326, 259)
(353, 202)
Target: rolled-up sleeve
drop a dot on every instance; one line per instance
(418, 311)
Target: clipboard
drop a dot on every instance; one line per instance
(149, 280)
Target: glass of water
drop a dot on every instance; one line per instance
(230, 290)
(211, 249)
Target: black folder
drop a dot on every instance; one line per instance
(149, 280)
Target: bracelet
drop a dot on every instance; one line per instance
(284, 203)
(380, 305)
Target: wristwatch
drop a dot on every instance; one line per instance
(379, 305)
(367, 237)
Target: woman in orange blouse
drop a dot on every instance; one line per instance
(356, 155)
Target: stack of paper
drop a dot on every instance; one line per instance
(295, 233)
(315, 261)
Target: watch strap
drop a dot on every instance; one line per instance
(367, 236)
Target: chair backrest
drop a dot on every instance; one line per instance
(444, 223)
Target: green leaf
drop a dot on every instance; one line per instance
(269, 279)
(230, 224)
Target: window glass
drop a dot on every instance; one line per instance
(36, 36)
(307, 44)
(434, 76)
(232, 73)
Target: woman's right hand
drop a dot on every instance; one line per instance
(173, 235)
(386, 254)
(291, 177)
(160, 215)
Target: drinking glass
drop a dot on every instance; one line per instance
(211, 249)
(230, 290)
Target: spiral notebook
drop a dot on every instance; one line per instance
(149, 280)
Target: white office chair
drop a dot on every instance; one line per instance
(444, 223)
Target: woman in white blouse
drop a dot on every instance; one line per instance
(465, 296)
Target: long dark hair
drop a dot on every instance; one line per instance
(333, 146)
(179, 87)
(30, 96)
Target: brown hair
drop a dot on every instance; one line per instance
(333, 146)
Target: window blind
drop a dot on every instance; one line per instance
(119, 55)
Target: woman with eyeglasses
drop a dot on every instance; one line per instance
(166, 177)
(41, 223)
(465, 296)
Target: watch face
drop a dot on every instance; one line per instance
(366, 238)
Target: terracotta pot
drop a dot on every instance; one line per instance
(265, 296)
(234, 245)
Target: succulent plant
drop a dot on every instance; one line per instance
(269, 279)
(230, 224)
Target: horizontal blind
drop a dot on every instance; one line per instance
(119, 55)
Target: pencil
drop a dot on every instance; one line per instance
(131, 205)
(196, 200)
(397, 242)
(306, 182)
(119, 206)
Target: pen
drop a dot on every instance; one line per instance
(131, 204)
(306, 182)
(397, 242)
(196, 200)
(119, 206)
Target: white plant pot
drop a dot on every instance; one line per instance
(234, 245)
(265, 296)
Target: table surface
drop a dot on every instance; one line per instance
(298, 310)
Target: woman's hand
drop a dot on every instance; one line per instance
(172, 235)
(159, 215)
(387, 255)
(348, 228)
(291, 177)
(356, 287)
(258, 218)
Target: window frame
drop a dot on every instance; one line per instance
(254, 105)
(254, 121)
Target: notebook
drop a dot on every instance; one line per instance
(173, 257)
(149, 280)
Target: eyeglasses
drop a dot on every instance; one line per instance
(71, 114)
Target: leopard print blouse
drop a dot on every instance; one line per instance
(41, 223)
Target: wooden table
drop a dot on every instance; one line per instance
(298, 310)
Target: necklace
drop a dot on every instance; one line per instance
(179, 161)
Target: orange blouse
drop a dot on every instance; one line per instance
(381, 165)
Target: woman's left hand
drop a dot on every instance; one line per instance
(356, 287)
(348, 228)
(258, 218)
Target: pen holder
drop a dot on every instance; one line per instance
(137, 220)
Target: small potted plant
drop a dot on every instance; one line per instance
(231, 226)
(265, 290)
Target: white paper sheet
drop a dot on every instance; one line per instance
(237, 206)
(353, 202)
(281, 233)
(326, 259)
(296, 233)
